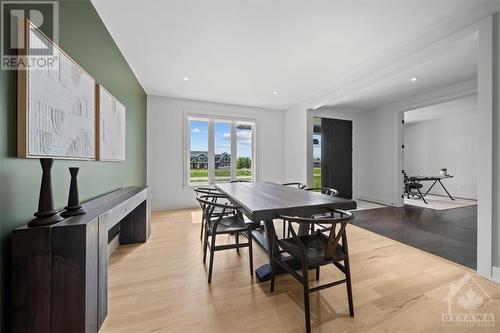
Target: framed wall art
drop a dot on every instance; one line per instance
(56, 104)
(111, 126)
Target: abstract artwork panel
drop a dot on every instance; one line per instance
(61, 117)
(112, 127)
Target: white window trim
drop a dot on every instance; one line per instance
(211, 117)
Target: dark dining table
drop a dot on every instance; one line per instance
(261, 202)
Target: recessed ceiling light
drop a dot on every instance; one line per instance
(275, 93)
(414, 79)
(186, 78)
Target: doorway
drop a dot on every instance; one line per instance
(332, 155)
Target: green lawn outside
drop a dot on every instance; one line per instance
(201, 175)
(317, 177)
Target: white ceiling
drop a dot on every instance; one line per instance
(445, 66)
(239, 52)
(456, 107)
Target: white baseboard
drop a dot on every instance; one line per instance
(495, 274)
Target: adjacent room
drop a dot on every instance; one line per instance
(249, 166)
(440, 153)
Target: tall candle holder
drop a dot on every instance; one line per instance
(46, 213)
(74, 207)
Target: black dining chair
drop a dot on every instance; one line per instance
(323, 190)
(410, 186)
(207, 191)
(220, 224)
(313, 251)
(326, 191)
(300, 186)
(240, 181)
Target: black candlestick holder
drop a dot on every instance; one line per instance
(74, 208)
(46, 213)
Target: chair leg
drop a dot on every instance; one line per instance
(273, 268)
(205, 245)
(250, 250)
(307, 310)
(284, 229)
(237, 238)
(211, 263)
(317, 274)
(202, 227)
(349, 287)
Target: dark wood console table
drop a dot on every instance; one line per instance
(60, 273)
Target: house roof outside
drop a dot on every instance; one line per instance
(195, 154)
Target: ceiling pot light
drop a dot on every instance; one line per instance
(186, 78)
(275, 93)
(414, 79)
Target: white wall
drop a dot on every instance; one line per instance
(375, 156)
(496, 149)
(450, 143)
(165, 130)
(296, 121)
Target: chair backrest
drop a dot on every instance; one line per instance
(337, 230)
(324, 190)
(298, 185)
(205, 190)
(239, 181)
(208, 203)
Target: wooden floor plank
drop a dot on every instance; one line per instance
(161, 286)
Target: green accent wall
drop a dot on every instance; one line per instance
(83, 36)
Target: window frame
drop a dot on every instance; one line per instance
(211, 118)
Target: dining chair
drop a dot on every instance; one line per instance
(300, 186)
(223, 224)
(314, 251)
(199, 191)
(323, 190)
(240, 181)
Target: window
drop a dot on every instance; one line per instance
(211, 144)
(198, 153)
(317, 152)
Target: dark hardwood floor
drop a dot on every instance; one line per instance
(451, 233)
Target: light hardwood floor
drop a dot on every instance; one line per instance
(161, 286)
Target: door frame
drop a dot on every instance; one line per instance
(332, 114)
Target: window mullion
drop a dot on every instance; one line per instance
(211, 153)
(254, 154)
(233, 151)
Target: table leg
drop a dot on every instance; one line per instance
(430, 188)
(263, 273)
(445, 190)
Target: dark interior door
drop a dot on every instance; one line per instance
(336, 155)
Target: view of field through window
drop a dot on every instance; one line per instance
(198, 156)
(223, 141)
